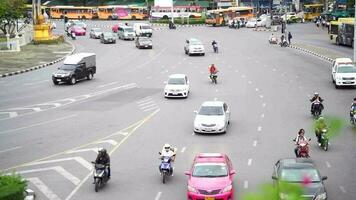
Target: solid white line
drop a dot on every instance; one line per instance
(262, 115)
(11, 114)
(112, 142)
(259, 128)
(145, 103)
(108, 84)
(10, 149)
(43, 188)
(50, 104)
(328, 164)
(342, 189)
(245, 184)
(256, 89)
(38, 124)
(80, 160)
(58, 169)
(158, 195)
(254, 143)
(78, 186)
(183, 149)
(152, 108)
(83, 150)
(249, 162)
(148, 106)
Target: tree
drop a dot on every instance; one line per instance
(10, 12)
(350, 3)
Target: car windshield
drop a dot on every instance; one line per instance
(81, 24)
(129, 30)
(144, 39)
(97, 30)
(67, 67)
(300, 175)
(346, 69)
(211, 110)
(145, 27)
(210, 170)
(176, 81)
(108, 34)
(195, 42)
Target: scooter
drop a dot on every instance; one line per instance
(100, 176)
(317, 108)
(324, 139)
(215, 47)
(353, 117)
(283, 43)
(165, 168)
(214, 78)
(73, 36)
(273, 40)
(303, 149)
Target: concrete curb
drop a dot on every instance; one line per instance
(313, 53)
(39, 66)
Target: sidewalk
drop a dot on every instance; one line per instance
(32, 56)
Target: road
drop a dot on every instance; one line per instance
(49, 134)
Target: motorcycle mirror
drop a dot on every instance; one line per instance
(324, 178)
(187, 173)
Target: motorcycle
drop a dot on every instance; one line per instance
(353, 117)
(73, 36)
(215, 47)
(324, 139)
(166, 168)
(100, 176)
(283, 43)
(273, 40)
(303, 149)
(317, 107)
(172, 26)
(214, 78)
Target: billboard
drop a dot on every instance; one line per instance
(164, 3)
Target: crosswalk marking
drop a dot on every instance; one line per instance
(80, 160)
(43, 188)
(58, 169)
(145, 103)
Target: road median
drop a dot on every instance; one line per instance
(323, 53)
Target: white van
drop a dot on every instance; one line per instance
(126, 33)
(142, 29)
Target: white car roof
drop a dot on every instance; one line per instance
(343, 60)
(177, 76)
(76, 58)
(213, 103)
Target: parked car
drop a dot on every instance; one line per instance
(211, 176)
(95, 33)
(143, 29)
(343, 72)
(212, 117)
(194, 46)
(126, 33)
(107, 37)
(77, 30)
(76, 67)
(143, 43)
(177, 86)
(116, 27)
(252, 23)
(303, 172)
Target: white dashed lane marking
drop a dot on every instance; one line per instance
(10, 149)
(261, 96)
(158, 195)
(262, 115)
(256, 89)
(342, 189)
(183, 149)
(249, 162)
(105, 85)
(245, 184)
(254, 143)
(328, 164)
(259, 129)
(264, 105)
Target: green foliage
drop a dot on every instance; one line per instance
(269, 192)
(10, 11)
(334, 124)
(12, 187)
(350, 3)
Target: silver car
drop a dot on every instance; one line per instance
(194, 46)
(212, 117)
(95, 33)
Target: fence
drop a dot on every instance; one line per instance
(24, 37)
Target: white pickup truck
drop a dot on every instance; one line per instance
(343, 72)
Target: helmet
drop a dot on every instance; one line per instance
(355, 99)
(167, 147)
(316, 94)
(102, 151)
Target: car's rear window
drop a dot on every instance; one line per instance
(108, 34)
(210, 170)
(346, 69)
(211, 110)
(300, 175)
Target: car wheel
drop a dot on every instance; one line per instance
(55, 82)
(336, 86)
(90, 76)
(203, 54)
(73, 80)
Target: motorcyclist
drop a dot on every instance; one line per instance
(212, 69)
(320, 124)
(353, 108)
(168, 151)
(215, 45)
(104, 159)
(271, 37)
(316, 97)
(300, 137)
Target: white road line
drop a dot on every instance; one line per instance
(262, 115)
(254, 143)
(96, 149)
(148, 106)
(43, 188)
(328, 164)
(38, 124)
(10, 149)
(78, 159)
(35, 83)
(237, 71)
(256, 89)
(183, 149)
(245, 184)
(50, 104)
(249, 162)
(108, 84)
(274, 69)
(145, 103)
(259, 129)
(216, 90)
(250, 82)
(342, 189)
(264, 105)
(10, 114)
(112, 142)
(158, 195)
(152, 108)
(144, 100)
(261, 96)
(78, 186)
(243, 76)
(58, 169)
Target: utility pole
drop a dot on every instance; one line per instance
(354, 35)
(172, 11)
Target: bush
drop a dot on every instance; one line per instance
(12, 187)
(56, 40)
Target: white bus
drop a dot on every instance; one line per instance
(178, 11)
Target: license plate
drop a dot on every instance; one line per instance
(209, 198)
(146, 46)
(58, 79)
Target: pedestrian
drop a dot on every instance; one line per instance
(289, 37)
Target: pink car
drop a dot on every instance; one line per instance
(211, 177)
(77, 30)
(115, 28)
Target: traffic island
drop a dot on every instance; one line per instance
(33, 57)
(323, 53)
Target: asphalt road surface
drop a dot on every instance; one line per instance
(49, 134)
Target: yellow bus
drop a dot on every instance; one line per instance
(311, 11)
(220, 17)
(72, 12)
(122, 12)
(334, 28)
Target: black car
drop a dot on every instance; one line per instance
(143, 43)
(303, 172)
(107, 37)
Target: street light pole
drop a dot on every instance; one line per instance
(354, 35)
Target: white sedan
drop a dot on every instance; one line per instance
(252, 23)
(177, 86)
(212, 117)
